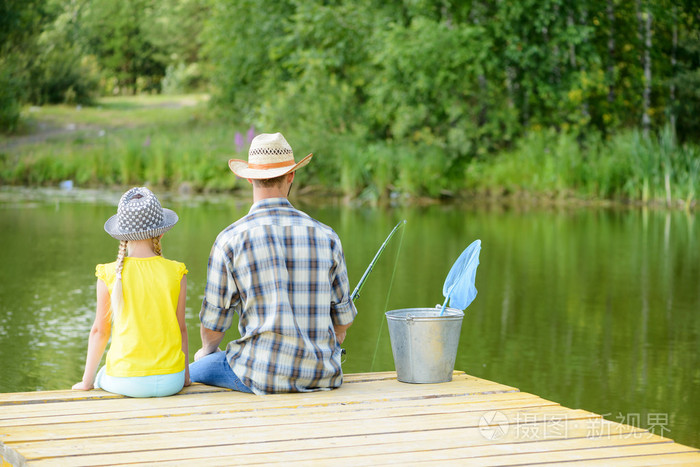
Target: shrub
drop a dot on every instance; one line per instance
(10, 90)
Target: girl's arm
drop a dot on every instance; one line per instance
(183, 327)
(99, 336)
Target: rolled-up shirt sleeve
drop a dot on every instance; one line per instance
(343, 309)
(221, 297)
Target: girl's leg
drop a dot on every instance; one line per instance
(214, 370)
(141, 386)
(167, 385)
(98, 378)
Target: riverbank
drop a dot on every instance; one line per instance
(177, 143)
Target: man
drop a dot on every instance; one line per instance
(284, 273)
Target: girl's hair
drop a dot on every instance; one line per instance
(157, 249)
(117, 296)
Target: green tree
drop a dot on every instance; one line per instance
(136, 40)
(20, 25)
(62, 70)
(239, 43)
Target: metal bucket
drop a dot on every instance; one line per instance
(424, 343)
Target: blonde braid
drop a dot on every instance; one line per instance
(157, 248)
(117, 297)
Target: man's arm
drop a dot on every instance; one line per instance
(342, 307)
(210, 342)
(340, 331)
(218, 304)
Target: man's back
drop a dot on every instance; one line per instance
(285, 274)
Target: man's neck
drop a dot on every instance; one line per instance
(260, 193)
(281, 190)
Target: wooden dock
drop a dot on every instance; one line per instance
(372, 419)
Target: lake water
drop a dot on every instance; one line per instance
(596, 309)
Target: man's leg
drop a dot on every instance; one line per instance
(214, 370)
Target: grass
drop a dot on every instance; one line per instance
(176, 142)
(121, 112)
(157, 140)
(627, 167)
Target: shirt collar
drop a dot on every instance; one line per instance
(270, 203)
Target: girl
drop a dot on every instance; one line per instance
(141, 304)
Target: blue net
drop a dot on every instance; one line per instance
(459, 288)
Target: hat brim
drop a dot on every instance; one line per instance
(240, 168)
(170, 218)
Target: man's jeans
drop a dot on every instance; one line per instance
(214, 370)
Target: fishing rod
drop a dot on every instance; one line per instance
(356, 293)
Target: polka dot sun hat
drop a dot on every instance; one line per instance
(140, 216)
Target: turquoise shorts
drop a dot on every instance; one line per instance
(141, 386)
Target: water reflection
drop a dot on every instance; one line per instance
(592, 308)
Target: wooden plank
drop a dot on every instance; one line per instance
(689, 459)
(441, 449)
(260, 409)
(356, 443)
(40, 397)
(653, 454)
(230, 417)
(266, 430)
(611, 454)
(372, 419)
(67, 395)
(255, 431)
(313, 449)
(373, 390)
(222, 404)
(9, 456)
(225, 405)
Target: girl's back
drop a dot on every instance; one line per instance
(140, 305)
(146, 335)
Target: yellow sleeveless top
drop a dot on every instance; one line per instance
(146, 337)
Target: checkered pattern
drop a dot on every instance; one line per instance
(271, 152)
(285, 274)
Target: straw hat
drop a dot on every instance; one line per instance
(140, 216)
(269, 156)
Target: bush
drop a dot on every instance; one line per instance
(10, 105)
(61, 74)
(181, 79)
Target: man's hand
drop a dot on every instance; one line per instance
(203, 353)
(340, 332)
(210, 342)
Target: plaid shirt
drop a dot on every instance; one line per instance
(285, 275)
